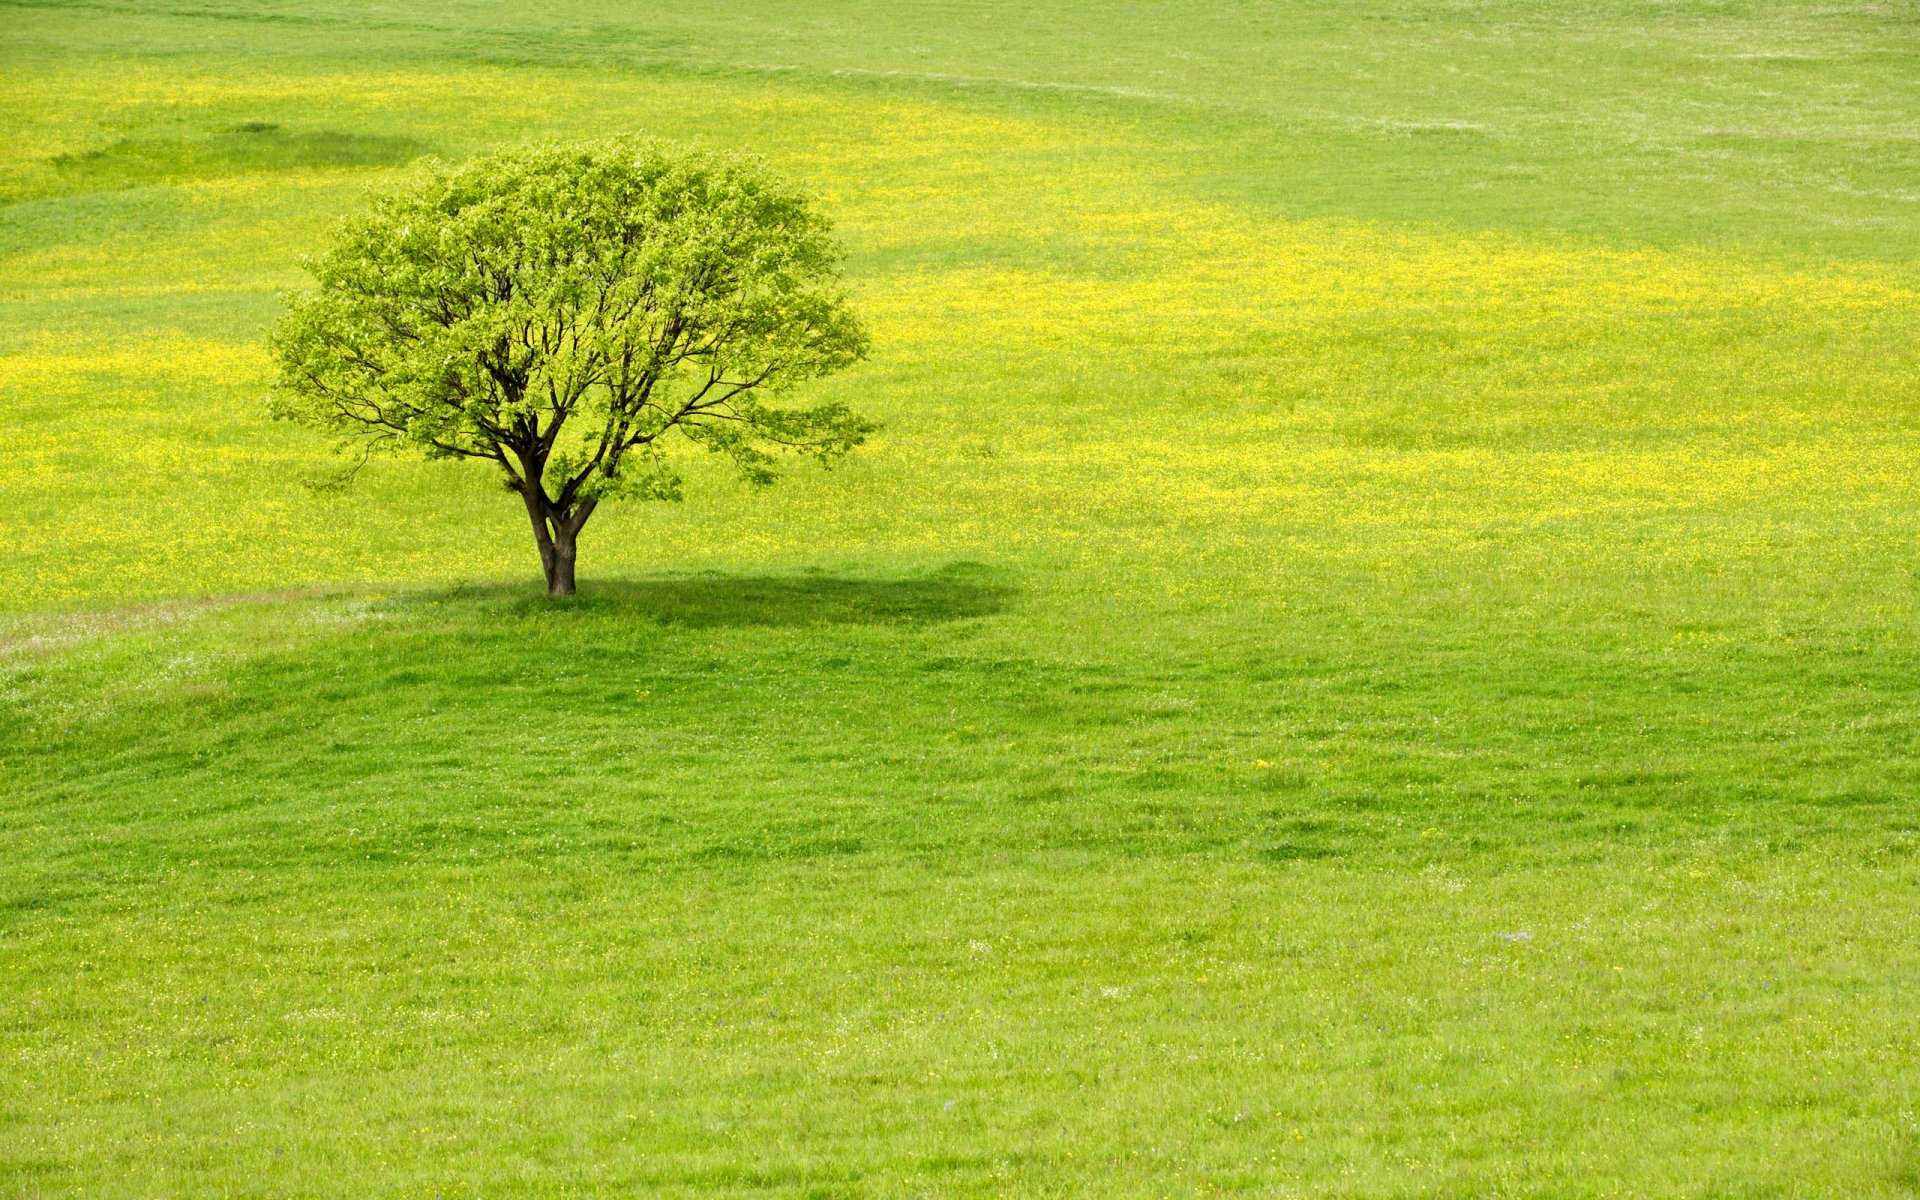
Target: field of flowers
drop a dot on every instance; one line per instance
(1377, 651)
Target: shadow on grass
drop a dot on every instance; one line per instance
(253, 146)
(952, 593)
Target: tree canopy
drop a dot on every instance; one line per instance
(558, 312)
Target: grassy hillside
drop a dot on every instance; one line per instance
(1378, 652)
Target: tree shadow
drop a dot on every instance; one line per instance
(714, 600)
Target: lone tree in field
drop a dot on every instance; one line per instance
(559, 312)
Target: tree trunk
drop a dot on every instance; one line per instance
(559, 575)
(559, 561)
(556, 533)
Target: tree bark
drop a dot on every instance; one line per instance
(550, 552)
(559, 562)
(557, 535)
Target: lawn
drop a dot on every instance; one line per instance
(1377, 652)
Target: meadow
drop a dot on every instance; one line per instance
(1377, 652)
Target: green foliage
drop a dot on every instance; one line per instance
(559, 311)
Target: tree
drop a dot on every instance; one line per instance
(558, 312)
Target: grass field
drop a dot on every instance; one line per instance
(1377, 653)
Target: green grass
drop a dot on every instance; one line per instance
(1378, 653)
